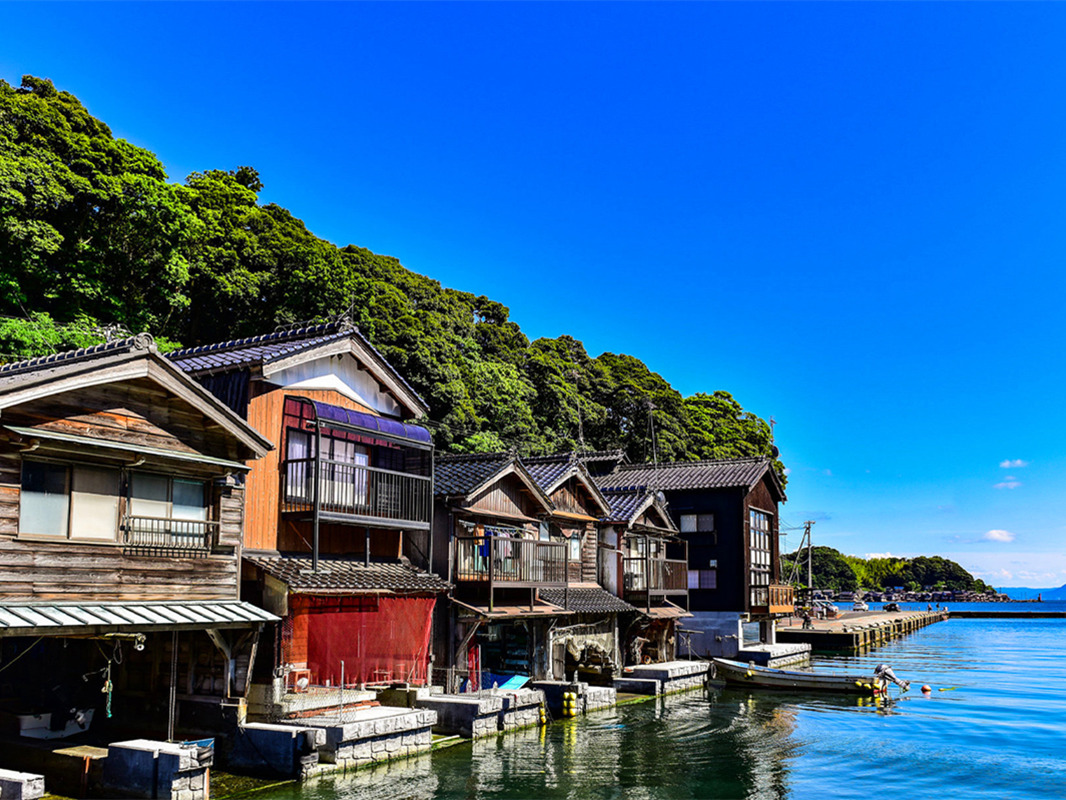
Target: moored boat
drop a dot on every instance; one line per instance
(750, 674)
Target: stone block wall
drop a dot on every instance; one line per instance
(383, 735)
(20, 785)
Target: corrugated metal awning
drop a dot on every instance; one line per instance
(76, 619)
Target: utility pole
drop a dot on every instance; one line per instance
(807, 534)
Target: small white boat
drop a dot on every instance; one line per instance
(736, 672)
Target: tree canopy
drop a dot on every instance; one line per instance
(837, 572)
(93, 234)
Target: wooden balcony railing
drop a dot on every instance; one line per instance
(504, 561)
(657, 575)
(772, 599)
(356, 490)
(165, 533)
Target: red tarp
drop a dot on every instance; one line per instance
(379, 639)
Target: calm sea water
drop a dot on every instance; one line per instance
(998, 730)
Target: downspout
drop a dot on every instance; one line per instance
(317, 508)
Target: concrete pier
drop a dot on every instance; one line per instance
(665, 678)
(855, 631)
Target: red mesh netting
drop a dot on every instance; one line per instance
(378, 639)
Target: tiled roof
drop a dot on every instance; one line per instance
(625, 503)
(337, 574)
(546, 470)
(141, 342)
(586, 600)
(268, 347)
(603, 455)
(732, 473)
(460, 475)
(241, 353)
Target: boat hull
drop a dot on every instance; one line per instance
(737, 673)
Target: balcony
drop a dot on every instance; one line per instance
(356, 494)
(193, 537)
(773, 599)
(659, 576)
(504, 562)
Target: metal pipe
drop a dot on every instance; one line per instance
(317, 507)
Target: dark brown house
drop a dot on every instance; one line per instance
(727, 512)
(121, 520)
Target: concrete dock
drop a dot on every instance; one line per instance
(856, 630)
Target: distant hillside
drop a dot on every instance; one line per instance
(832, 569)
(1025, 593)
(92, 233)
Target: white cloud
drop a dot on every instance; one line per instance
(868, 556)
(999, 536)
(1015, 463)
(1007, 485)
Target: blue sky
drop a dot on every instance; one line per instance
(848, 215)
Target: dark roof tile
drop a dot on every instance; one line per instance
(338, 574)
(460, 475)
(586, 600)
(726, 474)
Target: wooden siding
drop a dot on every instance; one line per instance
(10, 484)
(505, 496)
(136, 413)
(66, 570)
(230, 505)
(265, 414)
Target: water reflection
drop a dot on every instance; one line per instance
(998, 734)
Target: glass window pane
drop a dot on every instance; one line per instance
(94, 503)
(190, 500)
(688, 523)
(43, 501)
(706, 522)
(149, 495)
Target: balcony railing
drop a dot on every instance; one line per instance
(165, 533)
(773, 599)
(657, 575)
(501, 560)
(356, 490)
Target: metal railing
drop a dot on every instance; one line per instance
(505, 560)
(772, 599)
(355, 490)
(167, 533)
(659, 575)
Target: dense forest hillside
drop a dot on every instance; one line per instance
(94, 235)
(833, 570)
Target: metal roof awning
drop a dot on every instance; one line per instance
(91, 441)
(81, 619)
(330, 415)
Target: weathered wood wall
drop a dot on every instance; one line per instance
(68, 570)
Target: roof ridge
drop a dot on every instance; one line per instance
(142, 341)
(293, 334)
(704, 462)
(474, 456)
